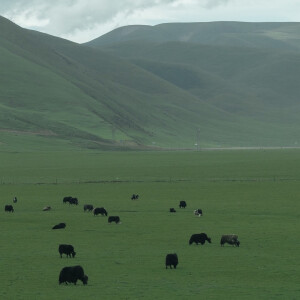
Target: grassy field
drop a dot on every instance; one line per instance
(254, 194)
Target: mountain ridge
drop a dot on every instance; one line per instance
(281, 35)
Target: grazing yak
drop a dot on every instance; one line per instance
(73, 201)
(115, 219)
(231, 239)
(88, 207)
(67, 199)
(171, 260)
(66, 249)
(182, 204)
(70, 200)
(15, 200)
(9, 208)
(134, 197)
(46, 208)
(199, 238)
(100, 210)
(198, 212)
(172, 210)
(59, 226)
(72, 274)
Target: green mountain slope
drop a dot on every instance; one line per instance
(244, 68)
(56, 94)
(255, 81)
(63, 91)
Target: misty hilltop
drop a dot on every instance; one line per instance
(218, 84)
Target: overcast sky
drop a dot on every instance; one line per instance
(84, 20)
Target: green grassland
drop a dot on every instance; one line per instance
(254, 194)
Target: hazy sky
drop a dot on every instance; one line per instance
(84, 20)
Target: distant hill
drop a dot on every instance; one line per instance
(144, 94)
(284, 36)
(249, 70)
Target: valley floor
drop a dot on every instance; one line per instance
(251, 193)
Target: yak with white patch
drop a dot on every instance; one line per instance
(72, 274)
(198, 212)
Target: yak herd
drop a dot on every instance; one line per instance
(199, 238)
(72, 274)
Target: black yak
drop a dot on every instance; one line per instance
(66, 249)
(134, 197)
(171, 260)
(88, 207)
(67, 199)
(199, 238)
(73, 201)
(100, 210)
(172, 210)
(72, 274)
(70, 200)
(115, 219)
(182, 204)
(231, 239)
(59, 226)
(9, 208)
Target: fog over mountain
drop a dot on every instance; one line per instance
(81, 20)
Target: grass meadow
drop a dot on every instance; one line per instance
(254, 194)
